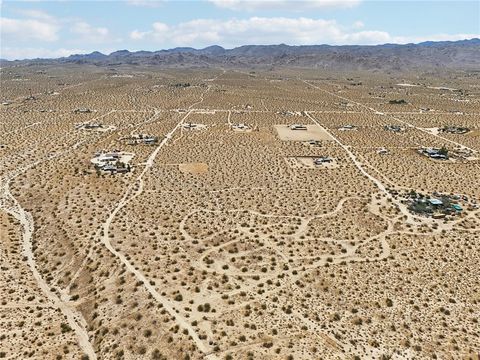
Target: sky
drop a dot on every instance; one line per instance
(46, 29)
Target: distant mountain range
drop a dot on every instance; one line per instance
(464, 54)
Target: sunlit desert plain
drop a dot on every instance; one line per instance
(238, 214)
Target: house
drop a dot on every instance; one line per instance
(241, 126)
(382, 151)
(106, 158)
(109, 168)
(322, 160)
(436, 205)
(435, 202)
(92, 126)
(435, 153)
(439, 156)
(455, 129)
(397, 102)
(141, 139)
(115, 153)
(82, 110)
(150, 140)
(110, 157)
(393, 128)
(347, 127)
(431, 151)
(298, 127)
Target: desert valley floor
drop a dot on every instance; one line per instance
(237, 214)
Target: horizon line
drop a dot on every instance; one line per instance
(189, 48)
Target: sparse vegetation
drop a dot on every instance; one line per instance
(232, 242)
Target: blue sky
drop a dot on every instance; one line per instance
(32, 29)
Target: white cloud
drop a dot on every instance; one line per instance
(139, 35)
(90, 33)
(146, 3)
(358, 25)
(40, 26)
(37, 26)
(32, 53)
(434, 37)
(298, 5)
(258, 30)
(159, 32)
(265, 31)
(366, 37)
(36, 14)
(28, 29)
(159, 27)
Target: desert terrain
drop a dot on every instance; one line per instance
(219, 232)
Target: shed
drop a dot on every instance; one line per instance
(322, 160)
(435, 202)
(110, 168)
(298, 127)
(457, 207)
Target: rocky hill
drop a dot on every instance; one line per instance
(463, 54)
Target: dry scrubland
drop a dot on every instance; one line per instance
(214, 246)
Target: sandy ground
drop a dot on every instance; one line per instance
(193, 168)
(313, 132)
(223, 245)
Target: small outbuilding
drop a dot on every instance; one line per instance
(322, 160)
(457, 207)
(298, 127)
(82, 110)
(347, 127)
(435, 202)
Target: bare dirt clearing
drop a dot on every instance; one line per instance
(312, 132)
(193, 168)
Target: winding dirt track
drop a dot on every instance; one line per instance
(61, 300)
(410, 218)
(74, 318)
(134, 190)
